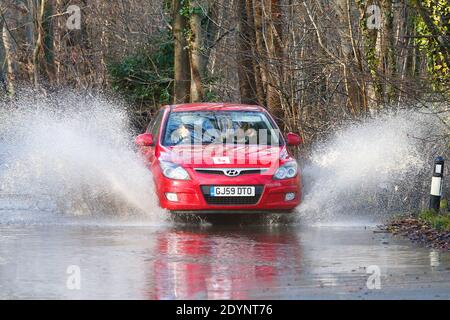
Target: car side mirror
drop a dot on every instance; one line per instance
(293, 139)
(144, 140)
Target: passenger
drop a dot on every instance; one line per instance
(240, 136)
(251, 136)
(181, 135)
(247, 134)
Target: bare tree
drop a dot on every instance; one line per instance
(245, 55)
(196, 48)
(182, 75)
(9, 10)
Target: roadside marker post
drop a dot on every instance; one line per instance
(436, 184)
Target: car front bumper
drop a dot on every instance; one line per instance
(191, 198)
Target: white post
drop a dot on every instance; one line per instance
(436, 184)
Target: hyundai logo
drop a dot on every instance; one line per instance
(232, 172)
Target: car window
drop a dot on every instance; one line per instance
(220, 127)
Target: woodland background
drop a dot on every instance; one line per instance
(312, 63)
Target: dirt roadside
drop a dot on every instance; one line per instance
(418, 231)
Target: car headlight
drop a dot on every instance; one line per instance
(173, 171)
(286, 171)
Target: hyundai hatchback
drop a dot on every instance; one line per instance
(221, 158)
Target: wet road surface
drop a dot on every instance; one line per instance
(191, 261)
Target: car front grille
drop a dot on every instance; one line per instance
(225, 171)
(232, 200)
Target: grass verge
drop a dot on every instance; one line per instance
(427, 228)
(440, 222)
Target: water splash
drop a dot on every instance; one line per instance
(372, 168)
(74, 152)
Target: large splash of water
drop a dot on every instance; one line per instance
(369, 169)
(73, 152)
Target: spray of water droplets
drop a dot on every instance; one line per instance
(373, 168)
(72, 153)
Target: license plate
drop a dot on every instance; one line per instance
(231, 191)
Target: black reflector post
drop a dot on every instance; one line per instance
(436, 184)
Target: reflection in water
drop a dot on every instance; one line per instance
(222, 264)
(132, 261)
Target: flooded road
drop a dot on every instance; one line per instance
(71, 181)
(122, 259)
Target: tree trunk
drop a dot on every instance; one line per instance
(48, 42)
(371, 52)
(349, 57)
(246, 40)
(2, 66)
(182, 78)
(275, 54)
(259, 54)
(212, 30)
(10, 52)
(387, 64)
(37, 9)
(195, 54)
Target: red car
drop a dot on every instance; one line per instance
(215, 157)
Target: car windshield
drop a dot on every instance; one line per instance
(220, 127)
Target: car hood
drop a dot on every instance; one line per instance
(225, 156)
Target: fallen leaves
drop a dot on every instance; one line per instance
(419, 232)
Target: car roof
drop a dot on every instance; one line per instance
(215, 107)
